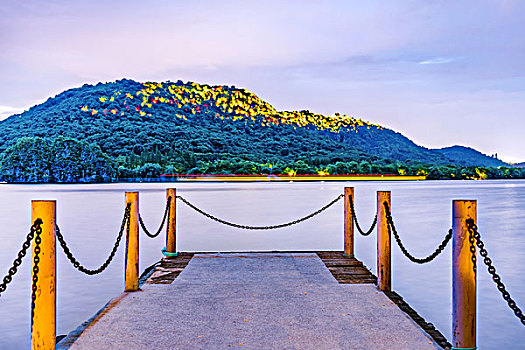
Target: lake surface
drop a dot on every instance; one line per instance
(89, 217)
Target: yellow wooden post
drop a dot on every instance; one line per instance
(171, 234)
(349, 223)
(132, 244)
(463, 276)
(43, 328)
(384, 276)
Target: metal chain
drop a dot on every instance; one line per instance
(354, 217)
(76, 263)
(166, 215)
(36, 260)
(246, 227)
(473, 229)
(21, 254)
(474, 259)
(392, 228)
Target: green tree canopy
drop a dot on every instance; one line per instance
(35, 159)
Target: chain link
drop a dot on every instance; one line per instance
(392, 228)
(354, 217)
(166, 215)
(474, 259)
(20, 256)
(473, 230)
(246, 227)
(76, 263)
(36, 261)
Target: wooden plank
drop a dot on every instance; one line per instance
(357, 280)
(170, 268)
(352, 270)
(346, 270)
(354, 280)
(331, 254)
(338, 262)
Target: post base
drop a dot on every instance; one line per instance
(168, 254)
(348, 255)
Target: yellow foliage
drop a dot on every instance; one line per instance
(481, 173)
(290, 172)
(245, 106)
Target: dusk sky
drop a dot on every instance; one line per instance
(440, 72)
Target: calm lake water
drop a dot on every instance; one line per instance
(90, 215)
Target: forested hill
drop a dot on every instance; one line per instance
(126, 117)
(470, 157)
(132, 128)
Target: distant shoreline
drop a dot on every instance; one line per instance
(240, 178)
(251, 179)
(293, 178)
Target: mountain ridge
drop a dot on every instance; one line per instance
(469, 156)
(193, 127)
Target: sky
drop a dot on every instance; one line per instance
(440, 72)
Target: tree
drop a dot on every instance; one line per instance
(27, 161)
(364, 167)
(34, 159)
(148, 170)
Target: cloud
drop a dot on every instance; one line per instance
(106, 39)
(438, 60)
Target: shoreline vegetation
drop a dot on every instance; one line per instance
(67, 160)
(289, 178)
(255, 178)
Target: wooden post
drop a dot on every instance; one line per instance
(463, 276)
(131, 283)
(171, 234)
(43, 327)
(384, 259)
(349, 223)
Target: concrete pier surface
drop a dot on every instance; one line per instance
(255, 301)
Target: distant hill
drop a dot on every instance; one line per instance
(519, 165)
(132, 129)
(126, 117)
(470, 157)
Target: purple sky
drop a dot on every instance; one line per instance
(440, 72)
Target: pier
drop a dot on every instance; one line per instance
(257, 300)
(254, 301)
